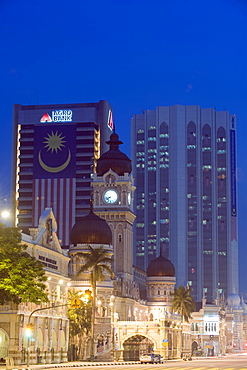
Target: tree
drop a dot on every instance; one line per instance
(183, 302)
(22, 277)
(79, 320)
(97, 261)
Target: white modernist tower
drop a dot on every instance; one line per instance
(184, 165)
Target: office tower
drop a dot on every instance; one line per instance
(55, 148)
(184, 164)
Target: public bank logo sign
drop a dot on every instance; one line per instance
(57, 116)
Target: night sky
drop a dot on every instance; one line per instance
(137, 54)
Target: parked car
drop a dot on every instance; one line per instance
(158, 359)
(151, 358)
(147, 358)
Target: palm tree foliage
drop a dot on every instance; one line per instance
(97, 261)
(183, 302)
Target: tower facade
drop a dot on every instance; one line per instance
(184, 165)
(55, 149)
(113, 191)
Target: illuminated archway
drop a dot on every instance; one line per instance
(136, 345)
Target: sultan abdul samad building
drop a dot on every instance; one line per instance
(133, 312)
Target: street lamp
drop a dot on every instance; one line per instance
(30, 327)
(29, 331)
(5, 214)
(112, 326)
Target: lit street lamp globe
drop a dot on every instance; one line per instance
(5, 214)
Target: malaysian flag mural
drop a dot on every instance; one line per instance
(54, 175)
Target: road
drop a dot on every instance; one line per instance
(233, 362)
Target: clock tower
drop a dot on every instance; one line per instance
(113, 192)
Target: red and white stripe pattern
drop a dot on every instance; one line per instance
(58, 194)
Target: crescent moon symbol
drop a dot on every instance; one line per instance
(54, 169)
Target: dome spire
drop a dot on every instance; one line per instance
(114, 141)
(114, 159)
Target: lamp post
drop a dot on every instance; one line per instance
(112, 327)
(93, 322)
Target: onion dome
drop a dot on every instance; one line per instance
(233, 300)
(114, 159)
(91, 229)
(161, 266)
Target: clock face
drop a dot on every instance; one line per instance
(129, 199)
(110, 196)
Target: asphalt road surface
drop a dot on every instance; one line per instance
(233, 362)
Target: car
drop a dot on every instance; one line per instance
(151, 358)
(158, 359)
(147, 358)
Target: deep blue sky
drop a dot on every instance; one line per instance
(137, 54)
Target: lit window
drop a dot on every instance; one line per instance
(191, 146)
(222, 253)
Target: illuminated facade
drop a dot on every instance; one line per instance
(55, 148)
(50, 335)
(184, 160)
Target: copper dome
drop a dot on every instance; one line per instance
(114, 159)
(91, 230)
(161, 266)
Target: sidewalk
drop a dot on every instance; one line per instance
(70, 364)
